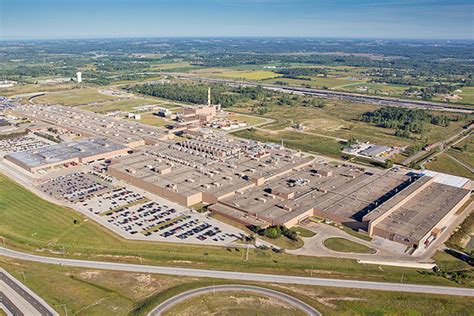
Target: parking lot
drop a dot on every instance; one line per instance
(134, 213)
(22, 143)
(75, 187)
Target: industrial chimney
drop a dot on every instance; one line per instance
(209, 96)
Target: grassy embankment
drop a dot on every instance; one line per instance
(30, 223)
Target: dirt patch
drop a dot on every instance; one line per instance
(270, 301)
(319, 296)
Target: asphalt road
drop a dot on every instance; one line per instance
(331, 94)
(243, 276)
(240, 288)
(9, 305)
(13, 284)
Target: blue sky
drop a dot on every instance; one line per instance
(426, 19)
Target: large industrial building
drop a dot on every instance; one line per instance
(83, 151)
(205, 170)
(250, 182)
(89, 124)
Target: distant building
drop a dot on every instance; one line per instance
(79, 77)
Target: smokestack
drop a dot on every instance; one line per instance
(209, 96)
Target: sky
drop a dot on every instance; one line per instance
(383, 19)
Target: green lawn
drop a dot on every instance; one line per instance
(250, 120)
(444, 163)
(346, 245)
(34, 88)
(121, 105)
(449, 263)
(75, 97)
(464, 151)
(154, 120)
(30, 223)
(303, 232)
(233, 303)
(296, 140)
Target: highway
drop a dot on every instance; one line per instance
(331, 94)
(242, 276)
(240, 288)
(24, 293)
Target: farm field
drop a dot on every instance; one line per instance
(249, 75)
(75, 97)
(30, 223)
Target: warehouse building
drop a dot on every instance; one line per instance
(83, 151)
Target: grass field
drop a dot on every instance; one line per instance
(375, 88)
(33, 88)
(154, 120)
(345, 245)
(444, 163)
(341, 120)
(75, 97)
(233, 303)
(303, 232)
(250, 120)
(30, 223)
(120, 105)
(249, 75)
(296, 140)
(449, 263)
(316, 82)
(464, 151)
(97, 292)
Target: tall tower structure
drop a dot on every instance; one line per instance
(209, 96)
(79, 77)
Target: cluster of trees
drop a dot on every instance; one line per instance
(275, 231)
(297, 72)
(197, 93)
(404, 121)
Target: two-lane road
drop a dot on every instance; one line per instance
(233, 288)
(243, 276)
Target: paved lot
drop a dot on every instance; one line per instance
(27, 142)
(134, 213)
